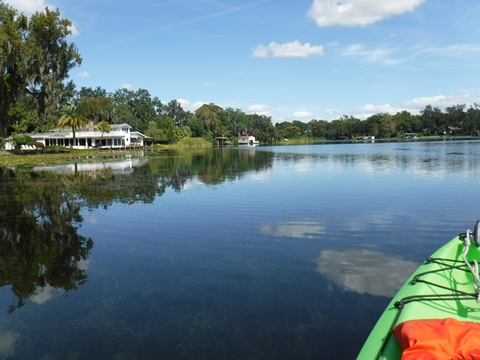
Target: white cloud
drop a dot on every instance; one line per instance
(302, 114)
(189, 106)
(455, 50)
(377, 56)
(84, 74)
(288, 50)
(440, 101)
(259, 109)
(365, 111)
(127, 86)
(74, 30)
(358, 12)
(333, 111)
(29, 7)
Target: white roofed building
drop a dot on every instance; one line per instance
(119, 136)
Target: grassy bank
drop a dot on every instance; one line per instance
(65, 155)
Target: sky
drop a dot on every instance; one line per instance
(288, 59)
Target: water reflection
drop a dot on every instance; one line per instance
(434, 160)
(39, 244)
(186, 276)
(41, 252)
(300, 229)
(365, 271)
(7, 343)
(116, 168)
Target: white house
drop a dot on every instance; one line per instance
(120, 136)
(247, 140)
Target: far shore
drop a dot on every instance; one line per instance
(19, 158)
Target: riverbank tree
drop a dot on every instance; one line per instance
(35, 60)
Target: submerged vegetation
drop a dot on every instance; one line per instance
(153, 305)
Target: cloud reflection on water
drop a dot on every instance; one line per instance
(7, 343)
(365, 271)
(300, 229)
(48, 292)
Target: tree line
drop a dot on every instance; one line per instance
(454, 120)
(36, 58)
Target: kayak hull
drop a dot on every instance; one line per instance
(442, 287)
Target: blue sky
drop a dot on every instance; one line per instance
(291, 60)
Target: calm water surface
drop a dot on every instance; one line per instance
(254, 253)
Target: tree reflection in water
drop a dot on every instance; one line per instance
(39, 243)
(40, 209)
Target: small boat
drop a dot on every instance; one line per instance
(436, 313)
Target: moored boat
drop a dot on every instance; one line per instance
(436, 313)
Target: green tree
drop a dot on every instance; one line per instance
(454, 117)
(292, 132)
(263, 129)
(136, 108)
(386, 126)
(182, 132)
(196, 126)
(72, 118)
(407, 123)
(96, 108)
(175, 111)
(337, 130)
(318, 128)
(48, 59)
(21, 139)
(210, 115)
(162, 130)
(35, 59)
(471, 122)
(12, 76)
(301, 125)
(372, 125)
(236, 121)
(433, 120)
(167, 127)
(352, 126)
(103, 127)
(94, 93)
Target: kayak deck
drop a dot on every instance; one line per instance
(442, 287)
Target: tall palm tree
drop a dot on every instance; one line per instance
(72, 118)
(104, 127)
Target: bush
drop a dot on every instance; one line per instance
(19, 140)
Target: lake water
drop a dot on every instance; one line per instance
(245, 253)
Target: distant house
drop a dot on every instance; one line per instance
(120, 136)
(223, 140)
(453, 130)
(247, 140)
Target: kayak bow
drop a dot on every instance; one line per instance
(445, 286)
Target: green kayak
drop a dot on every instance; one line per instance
(445, 286)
